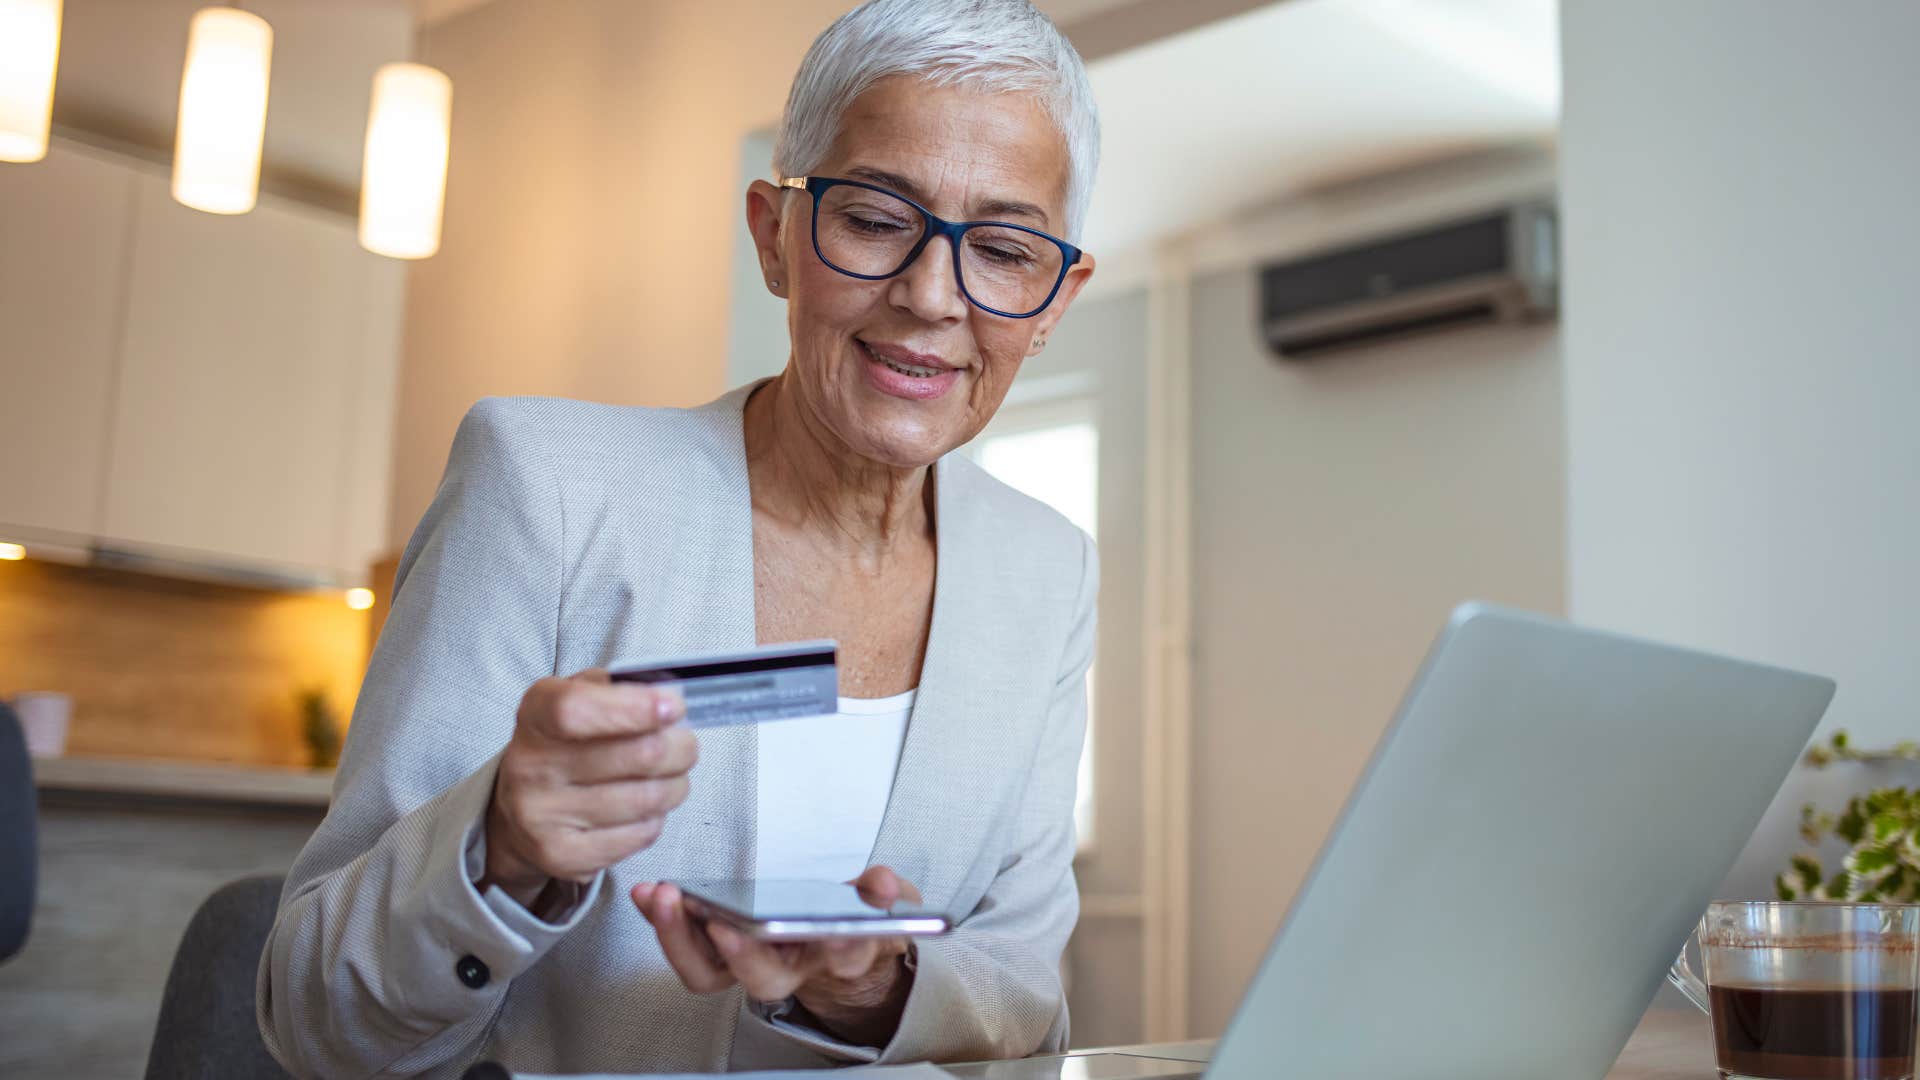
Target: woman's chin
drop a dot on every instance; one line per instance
(903, 445)
(902, 433)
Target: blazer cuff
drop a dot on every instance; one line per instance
(936, 992)
(469, 945)
(781, 1017)
(916, 1039)
(530, 927)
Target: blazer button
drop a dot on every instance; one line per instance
(472, 971)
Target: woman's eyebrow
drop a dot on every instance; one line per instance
(1000, 208)
(992, 208)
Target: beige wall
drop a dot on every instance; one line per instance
(1340, 509)
(591, 195)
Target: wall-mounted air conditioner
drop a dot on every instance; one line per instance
(1501, 266)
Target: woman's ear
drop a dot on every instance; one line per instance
(765, 208)
(1077, 277)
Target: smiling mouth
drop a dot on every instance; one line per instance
(911, 370)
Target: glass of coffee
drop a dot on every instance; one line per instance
(1808, 991)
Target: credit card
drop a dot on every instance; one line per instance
(771, 682)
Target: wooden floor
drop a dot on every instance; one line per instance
(118, 884)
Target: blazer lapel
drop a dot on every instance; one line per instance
(712, 835)
(937, 815)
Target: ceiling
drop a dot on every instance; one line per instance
(120, 60)
(1061, 11)
(1199, 125)
(1303, 94)
(120, 64)
(436, 11)
(1067, 12)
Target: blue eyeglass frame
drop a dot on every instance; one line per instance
(935, 226)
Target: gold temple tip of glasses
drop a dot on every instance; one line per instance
(794, 182)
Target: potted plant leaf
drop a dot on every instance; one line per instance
(319, 728)
(1881, 829)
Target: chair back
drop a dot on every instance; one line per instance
(207, 1024)
(19, 835)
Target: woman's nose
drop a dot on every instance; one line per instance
(928, 287)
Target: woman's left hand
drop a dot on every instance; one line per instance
(855, 988)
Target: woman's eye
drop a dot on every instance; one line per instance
(876, 226)
(1005, 256)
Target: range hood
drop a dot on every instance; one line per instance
(182, 564)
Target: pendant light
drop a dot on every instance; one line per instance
(223, 111)
(403, 180)
(29, 55)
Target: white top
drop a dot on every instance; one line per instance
(824, 784)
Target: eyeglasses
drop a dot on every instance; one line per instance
(870, 233)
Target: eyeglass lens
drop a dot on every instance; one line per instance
(872, 233)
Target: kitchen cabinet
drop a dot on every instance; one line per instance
(63, 243)
(244, 366)
(213, 391)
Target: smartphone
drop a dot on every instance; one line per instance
(773, 910)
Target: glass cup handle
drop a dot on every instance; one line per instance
(1682, 977)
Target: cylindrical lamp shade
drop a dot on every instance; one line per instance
(223, 111)
(29, 55)
(403, 179)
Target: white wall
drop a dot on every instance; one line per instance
(1743, 377)
(757, 341)
(1340, 509)
(1099, 350)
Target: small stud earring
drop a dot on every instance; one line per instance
(773, 284)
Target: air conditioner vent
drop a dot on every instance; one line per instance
(1493, 267)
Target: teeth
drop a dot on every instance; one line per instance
(912, 370)
(908, 369)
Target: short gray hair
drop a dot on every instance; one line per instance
(999, 46)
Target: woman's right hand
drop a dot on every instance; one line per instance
(588, 778)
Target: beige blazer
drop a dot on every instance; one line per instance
(568, 535)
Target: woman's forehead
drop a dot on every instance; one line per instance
(1001, 155)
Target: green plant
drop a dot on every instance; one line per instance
(1881, 829)
(319, 728)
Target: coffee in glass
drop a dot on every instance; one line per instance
(1808, 991)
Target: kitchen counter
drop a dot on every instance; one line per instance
(156, 780)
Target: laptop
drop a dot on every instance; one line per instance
(1535, 835)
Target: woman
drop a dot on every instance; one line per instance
(484, 885)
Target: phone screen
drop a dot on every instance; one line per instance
(776, 910)
(770, 900)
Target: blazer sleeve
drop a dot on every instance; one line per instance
(991, 989)
(384, 958)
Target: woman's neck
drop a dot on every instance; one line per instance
(805, 477)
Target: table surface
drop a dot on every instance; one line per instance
(1668, 1045)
